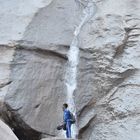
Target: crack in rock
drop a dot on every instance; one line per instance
(42, 51)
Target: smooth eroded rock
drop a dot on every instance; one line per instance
(6, 133)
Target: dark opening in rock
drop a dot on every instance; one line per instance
(19, 127)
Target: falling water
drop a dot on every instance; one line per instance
(73, 53)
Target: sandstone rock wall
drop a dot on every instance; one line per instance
(35, 37)
(109, 72)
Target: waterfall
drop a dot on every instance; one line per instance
(73, 54)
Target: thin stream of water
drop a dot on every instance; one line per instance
(73, 54)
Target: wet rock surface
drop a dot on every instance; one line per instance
(33, 61)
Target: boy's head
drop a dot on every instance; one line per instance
(65, 106)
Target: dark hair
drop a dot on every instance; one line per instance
(65, 105)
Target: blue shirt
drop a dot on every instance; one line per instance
(67, 115)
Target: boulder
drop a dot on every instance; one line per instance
(6, 133)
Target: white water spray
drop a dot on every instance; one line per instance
(73, 54)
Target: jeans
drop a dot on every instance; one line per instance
(68, 129)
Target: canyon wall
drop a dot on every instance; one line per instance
(35, 37)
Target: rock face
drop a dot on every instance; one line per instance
(6, 133)
(35, 37)
(110, 70)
